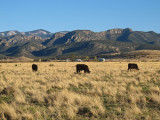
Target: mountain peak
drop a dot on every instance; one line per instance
(9, 33)
(38, 33)
(118, 30)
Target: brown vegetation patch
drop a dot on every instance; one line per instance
(110, 91)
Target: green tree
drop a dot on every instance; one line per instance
(87, 57)
(95, 58)
(73, 56)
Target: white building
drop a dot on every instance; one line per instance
(101, 59)
(78, 60)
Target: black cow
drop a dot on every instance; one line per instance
(132, 66)
(34, 67)
(81, 67)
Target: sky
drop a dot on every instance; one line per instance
(68, 15)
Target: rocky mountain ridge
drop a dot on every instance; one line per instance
(41, 43)
(37, 33)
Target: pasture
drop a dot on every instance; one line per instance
(57, 92)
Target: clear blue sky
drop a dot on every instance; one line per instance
(95, 15)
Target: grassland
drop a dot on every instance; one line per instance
(56, 92)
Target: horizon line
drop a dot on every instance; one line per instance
(76, 30)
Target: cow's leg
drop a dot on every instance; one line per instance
(77, 70)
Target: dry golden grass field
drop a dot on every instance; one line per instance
(56, 92)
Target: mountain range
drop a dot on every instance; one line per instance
(42, 43)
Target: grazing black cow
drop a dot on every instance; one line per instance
(34, 67)
(132, 66)
(81, 67)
